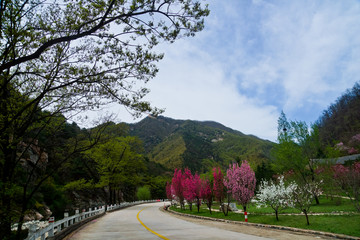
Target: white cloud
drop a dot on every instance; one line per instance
(192, 85)
(256, 58)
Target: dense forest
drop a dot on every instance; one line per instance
(340, 123)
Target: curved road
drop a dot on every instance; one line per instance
(147, 222)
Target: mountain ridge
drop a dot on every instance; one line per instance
(198, 145)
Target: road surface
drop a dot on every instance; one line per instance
(146, 221)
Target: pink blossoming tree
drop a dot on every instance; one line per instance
(207, 193)
(241, 182)
(178, 185)
(348, 179)
(219, 188)
(169, 193)
(190, 187)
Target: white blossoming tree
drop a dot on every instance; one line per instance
(277, 195)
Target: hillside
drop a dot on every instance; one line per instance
(341, 122)
(197, 145)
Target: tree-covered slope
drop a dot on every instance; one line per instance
(198, 145)
(341, 121)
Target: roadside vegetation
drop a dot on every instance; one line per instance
(330, 216)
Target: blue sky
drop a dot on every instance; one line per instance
(257, 58)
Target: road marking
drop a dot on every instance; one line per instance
(147, 228)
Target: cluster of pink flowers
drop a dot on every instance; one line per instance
(352, 147)
(240, 182)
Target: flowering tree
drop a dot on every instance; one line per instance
(207, 193)
(241, 182)
(303, 196)
(189, 187)
(177, 183)
(197, 190)
(169, 194)
(275, 195)
(219, 188)
(348, 179)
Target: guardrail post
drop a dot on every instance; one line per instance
(51, 222)
(66, 215)
(76, 213)
(32, 231)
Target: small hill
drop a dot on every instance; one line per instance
(198, 145)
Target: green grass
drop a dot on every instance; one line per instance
(348, 224)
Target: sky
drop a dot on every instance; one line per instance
(257, 58)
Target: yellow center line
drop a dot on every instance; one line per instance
(147, 228)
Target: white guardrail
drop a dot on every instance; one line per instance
(56, 227)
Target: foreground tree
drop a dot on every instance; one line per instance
(70, 56)
(241, 182)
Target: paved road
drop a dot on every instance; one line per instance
(147, 222)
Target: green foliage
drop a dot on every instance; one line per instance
(341, 120)
(120, 164)
(197, 145)
(143, 193)
(170, 152)
(80, 184)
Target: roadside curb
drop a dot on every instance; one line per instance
(313, 232)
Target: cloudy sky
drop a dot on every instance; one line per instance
(257, 58)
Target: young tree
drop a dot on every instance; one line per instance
(178, 186)
(207, 193)
(143, 193)
(197, 190)
(276, 195)
(241, 182)
(219, 188)
(189, 188)
(303, 196)
(61, 58)
(169, 193)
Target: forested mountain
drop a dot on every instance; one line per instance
(197, 145)
(341, 121)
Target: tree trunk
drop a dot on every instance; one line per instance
(198, 204)
(307, 217)
(317, 199)
(277, 215)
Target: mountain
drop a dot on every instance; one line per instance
(197, 145)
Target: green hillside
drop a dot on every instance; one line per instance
(198, 145)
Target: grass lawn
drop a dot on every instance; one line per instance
(348, 224)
